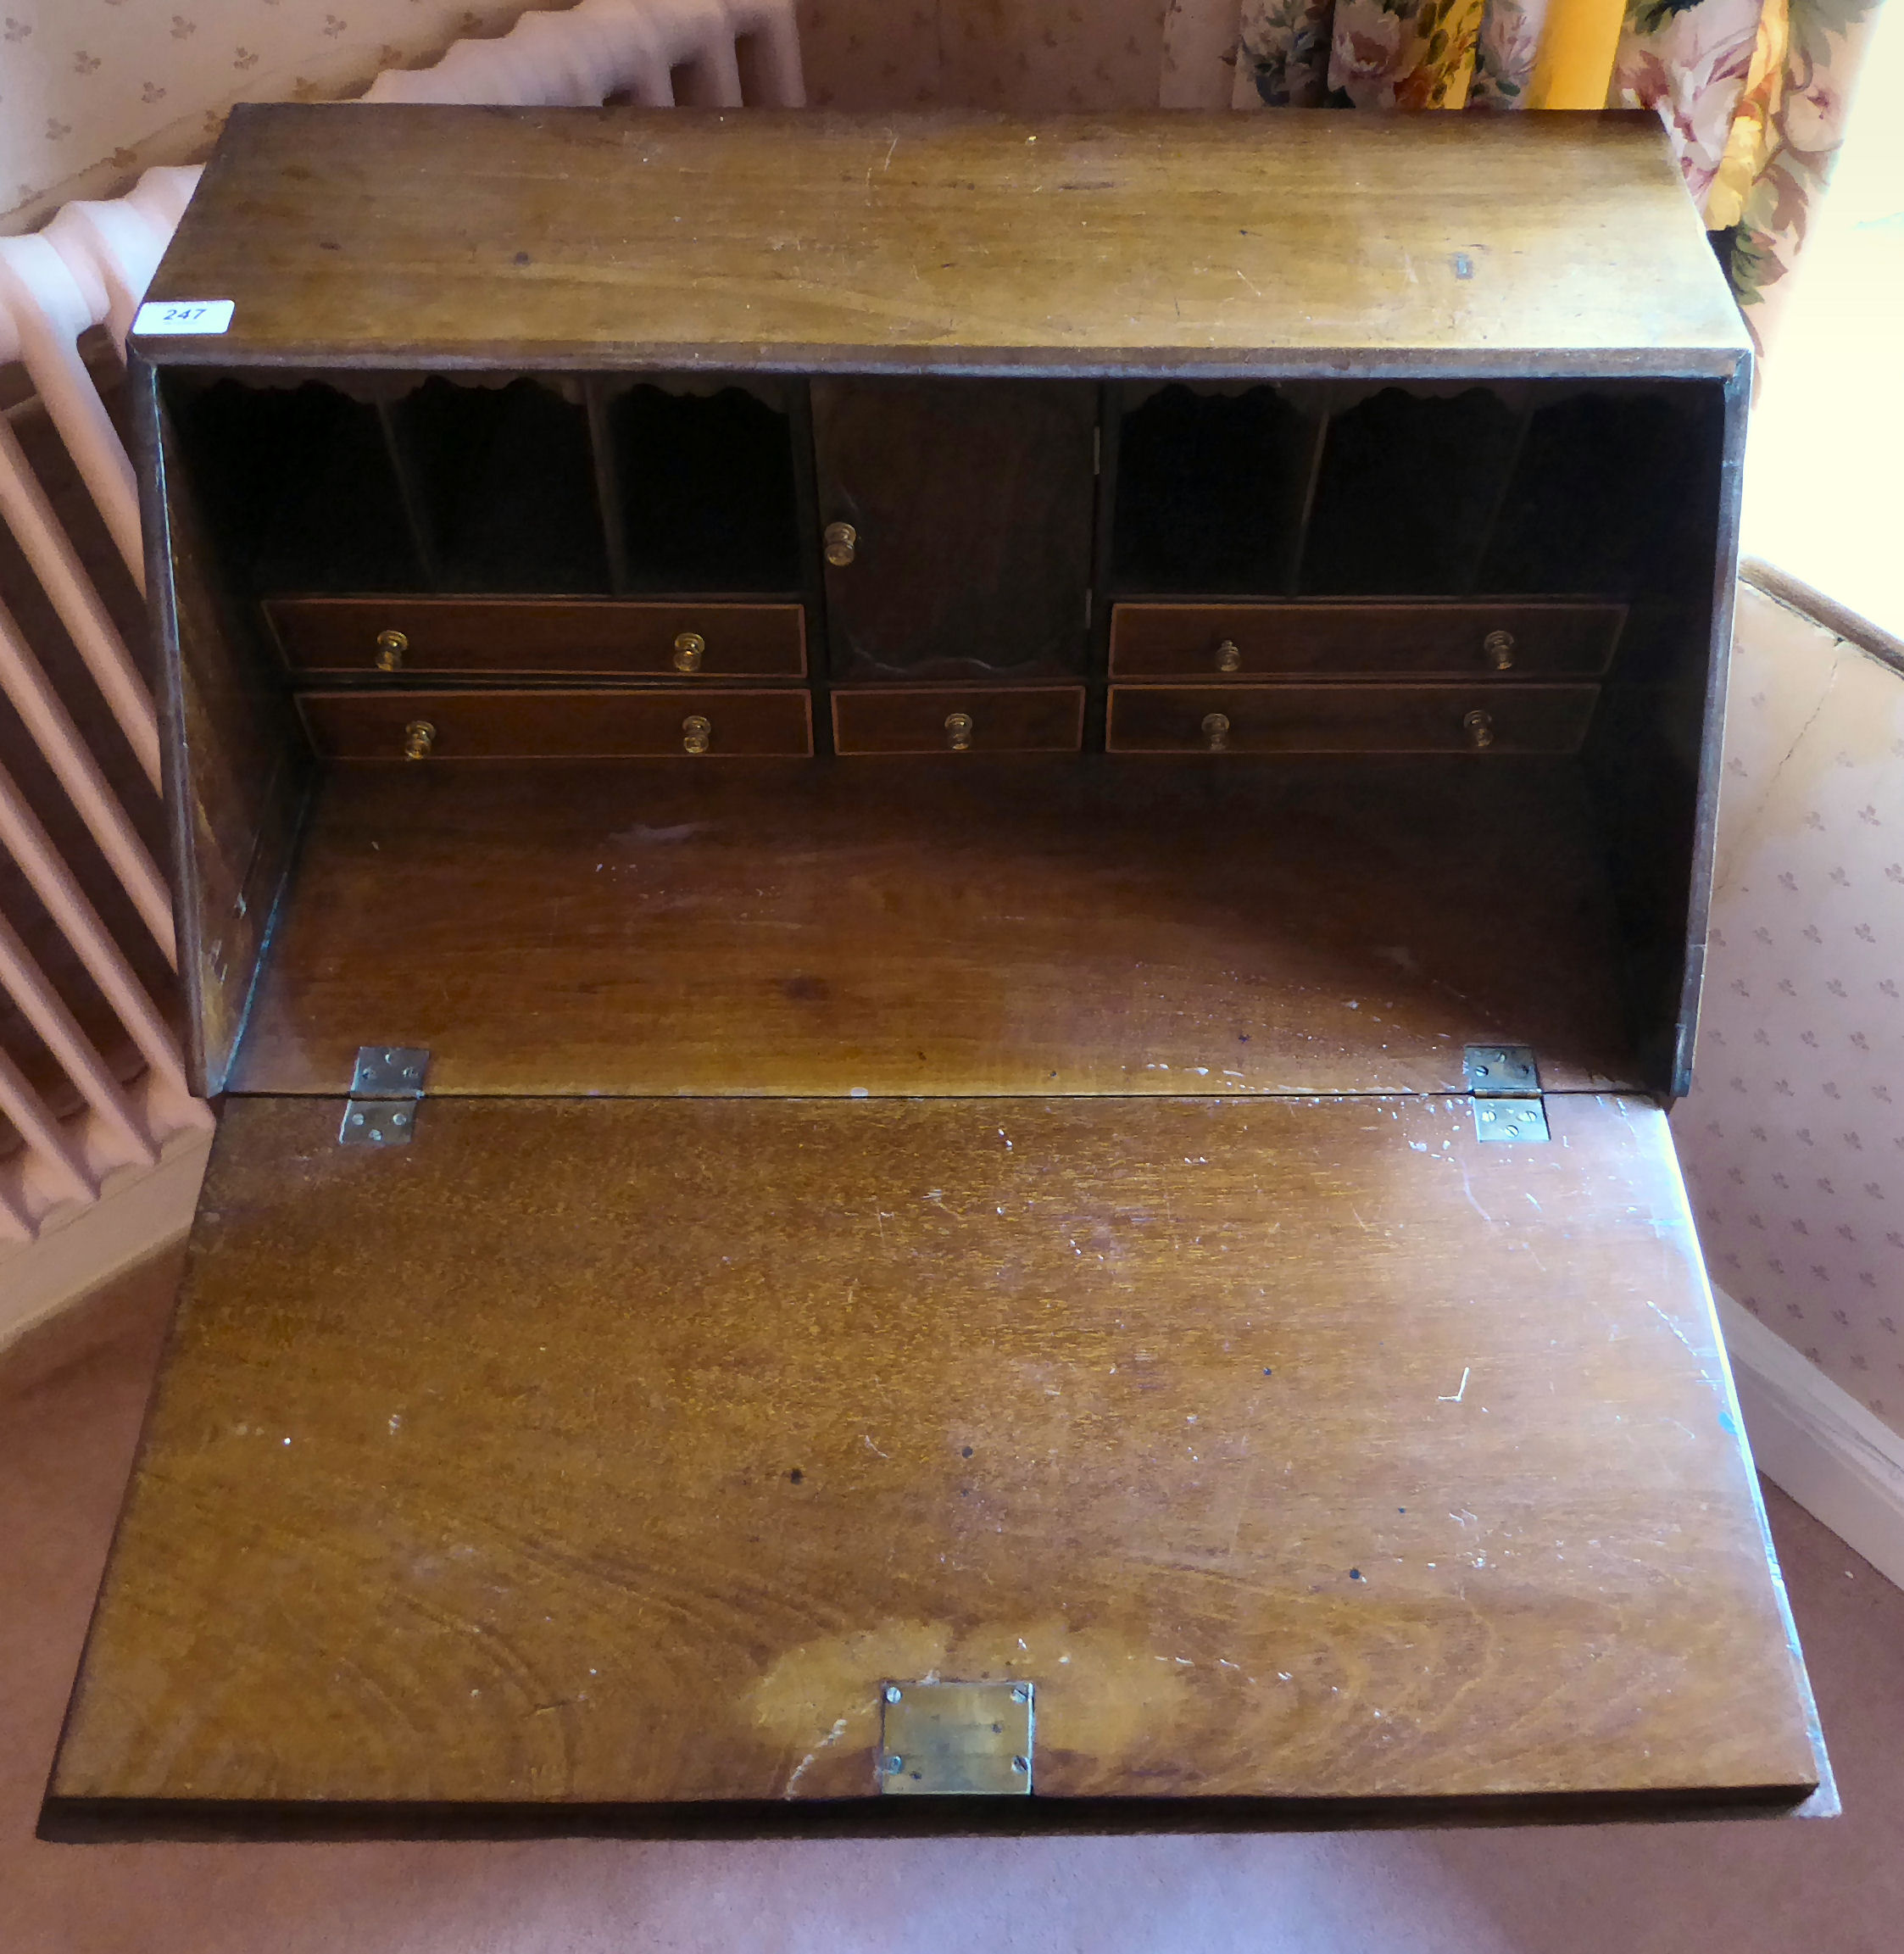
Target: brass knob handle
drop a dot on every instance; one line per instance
(842, 540)
(1498, 649)
(958, 730)
(391, 646)
(689, 647)
(1478, 726)
(1228, 658)
(419, 736)
(695, 733)
(1216, 731)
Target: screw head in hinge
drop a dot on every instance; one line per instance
(1499, 1069)
(376, 1123)
(1478, 726)
(689, 649)
(420, 739)
(697, 733)
(1216, 730)
(893, 1692)
(842, 542)
(391, 646)
(958, 730)
(1229, 656)
(389, 1072)
(1497, 648)
(895, 1765)
(1501, 1121)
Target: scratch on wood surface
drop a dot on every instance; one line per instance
(1468, 1188)
(1465, 1373)
(832, 1736)
(1682, 1336)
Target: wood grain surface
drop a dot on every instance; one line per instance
(527, 634)
(370, 234)
(560, 722)
(620, 1451)
(1362, 719)
(1003, 719)
(972, 501)
(945, 924)
(237, 769)
(1354, 640)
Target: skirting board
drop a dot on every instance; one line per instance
(140, 1212)
(1814, 1440)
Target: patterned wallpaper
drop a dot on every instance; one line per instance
(92, 92)
(1793, 1137)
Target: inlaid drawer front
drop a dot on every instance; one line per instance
(970, 719)
(1349, 718)
(471, 636)
(1243, 641)
(436, 727)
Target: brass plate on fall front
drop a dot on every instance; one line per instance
(956, 1740)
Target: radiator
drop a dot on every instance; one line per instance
(92, 1082)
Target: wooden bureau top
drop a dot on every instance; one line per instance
(1302, 242)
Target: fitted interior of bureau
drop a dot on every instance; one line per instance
(505, 483)
(1248, 795)
(599, 485)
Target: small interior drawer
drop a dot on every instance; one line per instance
(514, 634)
(958, 719)
(1349, 718)
(1457, 640)
(595, 724)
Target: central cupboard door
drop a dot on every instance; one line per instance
(957, 519)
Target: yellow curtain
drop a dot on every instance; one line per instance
(1578, 39)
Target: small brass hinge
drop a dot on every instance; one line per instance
(384, 1092)
(1505, 1083)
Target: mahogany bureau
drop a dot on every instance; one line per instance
(945, 875)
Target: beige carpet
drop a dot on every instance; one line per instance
(69, 1406)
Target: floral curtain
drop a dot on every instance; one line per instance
(1403, 54)
(1753, 92)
